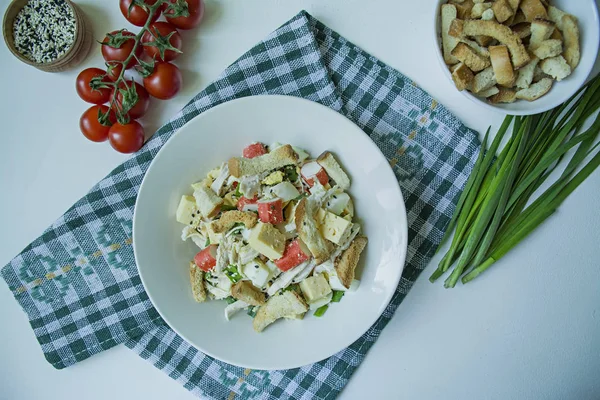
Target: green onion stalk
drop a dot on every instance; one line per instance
(496, 210)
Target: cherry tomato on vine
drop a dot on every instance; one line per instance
(195, 10)
(164, 82)
(137, 15)
(88, 90)
(114, 71)
(139, 107)
(91, 126)
(155, 41)
(126, 138)
(117, 46)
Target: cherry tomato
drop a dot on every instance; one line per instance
(86, 92)
(114, 71)
(164, 82)
(137, 15)
(141, 105)
(158, 32)
(127, 138)
(196, 12)
(91, 127)
(123, 50)
(254, 150)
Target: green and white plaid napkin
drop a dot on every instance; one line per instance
(78, 282)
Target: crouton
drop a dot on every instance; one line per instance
(197, 280)
(310, 234)
(533, 9)
(488, 15)
(289, 304)
(280, 157)
(504, 95)
(503, 70)
(523, 30)
(462, 77)
(478, 9)
(484, 80)
(502, 10)
(207, 202)
(514, 4)
(470, 58)
(557, 35)
(463, 10)
(334, 170)
(484, 41)
(536, 90)
(345, 265)
(230, 218)
(519, 17)
(571, 36)
(557, 67)
(538, 74)
(449, 14)
(525, 74)
(548, 48)
(482, 51)
(248, 293)
(555, 15)
(495, 30)
(541, 30)
(488, 92)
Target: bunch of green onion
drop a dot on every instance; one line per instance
(495, 211)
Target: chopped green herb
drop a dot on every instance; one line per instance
(233, 274)
(237, 191)
(337, 296)
(230, 300)
(227, 207)
(252, 311)
(321, 311)
(207, 243)
(294, 287)
(290, 173)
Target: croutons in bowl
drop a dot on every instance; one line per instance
(176, 286)
(518, 57)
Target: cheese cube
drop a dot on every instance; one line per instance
(333, 228)
(207, 201)
(257, 272)
(338, 203)
(315, 288)
(267, 240)
(285, 191)
(187, 213)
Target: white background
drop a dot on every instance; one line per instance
(527, 329)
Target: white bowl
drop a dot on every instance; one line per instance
(163, 258)
(586, 12)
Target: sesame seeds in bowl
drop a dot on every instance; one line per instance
(50, 35)
(44, 30)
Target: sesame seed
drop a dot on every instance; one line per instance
(44, 30)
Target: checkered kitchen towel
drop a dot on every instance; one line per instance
(78, 282)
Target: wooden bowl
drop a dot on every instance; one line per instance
(72, 57)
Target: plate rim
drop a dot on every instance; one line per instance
(388, 169)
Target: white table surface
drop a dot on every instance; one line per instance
(527, 329)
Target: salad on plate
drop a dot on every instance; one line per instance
(276, 234)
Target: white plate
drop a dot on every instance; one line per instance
(586, 12)
(163, 258)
